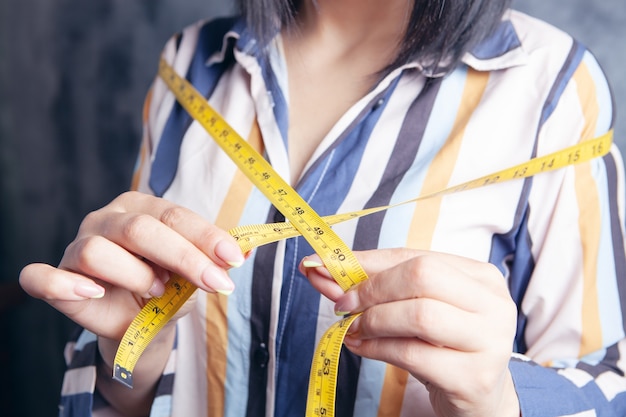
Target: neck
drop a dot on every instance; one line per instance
(334, 52)
(354, 25)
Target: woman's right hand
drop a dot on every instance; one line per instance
(123, 254)
(121, 257)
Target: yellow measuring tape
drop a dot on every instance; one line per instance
(336, 256)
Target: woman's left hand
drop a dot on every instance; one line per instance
(447, 320)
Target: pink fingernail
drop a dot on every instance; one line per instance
(352, 341)
(217, 280)
(87, 290)
(229, 253)
(157, 289)
(349, 302)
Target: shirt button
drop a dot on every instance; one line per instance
(278, 217)
(378, 103)
(261, 355)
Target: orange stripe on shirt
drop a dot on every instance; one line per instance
(216, 304)
(589, 222)
(426, 215)
(392, 394)
(145, 145)
(426, 211)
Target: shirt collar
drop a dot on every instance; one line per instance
(238, 37)
(501, 50)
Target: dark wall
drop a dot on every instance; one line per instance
(73, 74)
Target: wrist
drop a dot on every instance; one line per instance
(146, 374)
(509, 405)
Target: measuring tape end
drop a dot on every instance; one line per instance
(123, 376)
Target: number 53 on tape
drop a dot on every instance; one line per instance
(337, 257)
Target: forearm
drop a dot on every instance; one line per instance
(146, 375)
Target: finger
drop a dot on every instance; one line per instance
(416, 356)
(424, 276)
(442, 367)
(218, 244)
(98, 257)
(379, 260)
(320, 278)
(433, 321)
(48, 283)
(145, 236)
(65, 291)
(374, 261)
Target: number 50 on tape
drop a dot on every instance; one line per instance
(303, 220)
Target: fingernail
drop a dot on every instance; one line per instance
(164, 276)
(349, 302)
(354, 327)
(217, 280)
(86, 290)
(311, 263)
(229, 253)
(157, 289)
(314, 262)
(352, 341)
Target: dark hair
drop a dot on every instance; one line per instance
(439, 32)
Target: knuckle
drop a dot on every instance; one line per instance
(83, 252)
(407, 354)
(126, 197)
(418, 266)
(422, 318)
(129, 201)
(173, 216)
(136, 227)
(120, 202)
(92, 218)
(209, 235)
(418, 271)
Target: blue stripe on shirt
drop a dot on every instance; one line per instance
(325, 188)
(204, 78)
(76, 405)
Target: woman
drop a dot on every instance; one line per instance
(498, 301)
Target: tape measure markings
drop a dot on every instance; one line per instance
(345, 269)
(303, 220)
(257, 235)
(144, 328)
(335, 254)
(324, 370)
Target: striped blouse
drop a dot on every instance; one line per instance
(558, 237)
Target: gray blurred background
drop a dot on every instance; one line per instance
(73, 74)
